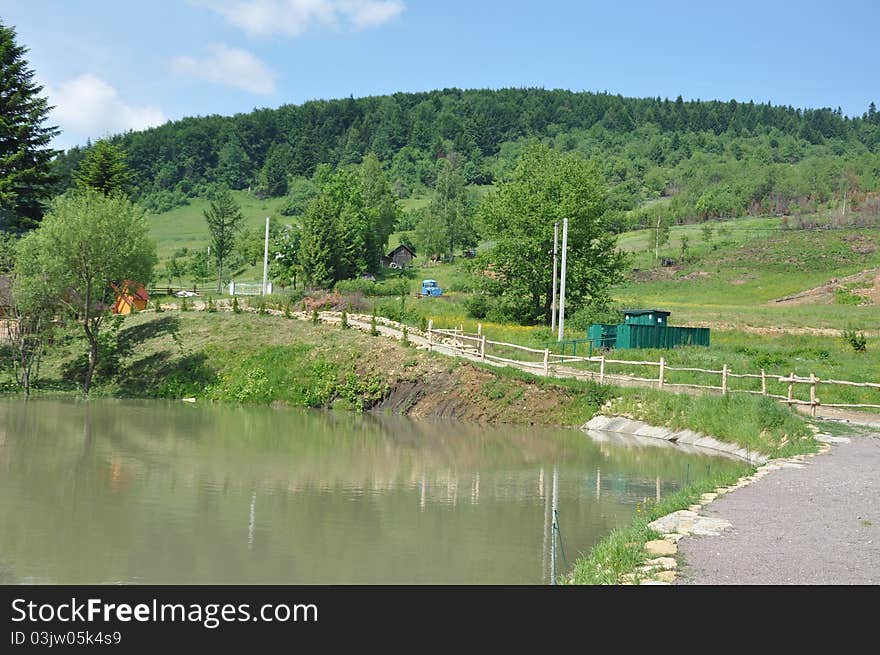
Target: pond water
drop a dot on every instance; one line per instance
(111, 491)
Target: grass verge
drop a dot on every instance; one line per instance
(754, 422)
(624, 548)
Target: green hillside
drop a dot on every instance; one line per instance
(184, 227)
(734, 278)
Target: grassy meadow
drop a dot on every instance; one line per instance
(729, 280)
(185, 227)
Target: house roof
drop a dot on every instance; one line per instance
(405, 247)
(131, 287)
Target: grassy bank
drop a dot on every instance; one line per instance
(266, 359)
(623, 550)
(754, 422)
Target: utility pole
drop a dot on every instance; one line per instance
(562, 280)
(657, 239)
(265, 260)
(555, 251)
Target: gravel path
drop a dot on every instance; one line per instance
(819, 524)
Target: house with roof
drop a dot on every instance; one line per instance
(400, 257)
(130, 296)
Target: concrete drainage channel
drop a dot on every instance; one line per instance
(662, 566)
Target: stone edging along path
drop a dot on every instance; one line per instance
(661, 568)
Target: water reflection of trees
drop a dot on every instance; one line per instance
(247, 494)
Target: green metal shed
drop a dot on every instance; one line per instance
(631, 335)
(645, 328)
(602, 335)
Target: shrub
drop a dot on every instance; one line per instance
(477, 306)
(184, 306)
(374, 330)
(394, 287)
(343, 323)
(235, 306)
(210, 306)
(287, 309)
(856, 339)
(405, 338)
(590, 314)
(511, 309)
(315, 317)
(846, 297)
(158, 305)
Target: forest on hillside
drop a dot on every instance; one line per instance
(710, 159)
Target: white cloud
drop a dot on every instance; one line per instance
(364, 15)
(230, 66)
(89, 106)
(294, 17)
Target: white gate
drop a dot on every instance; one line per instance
(247, 289)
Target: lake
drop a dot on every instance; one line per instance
(111, 491)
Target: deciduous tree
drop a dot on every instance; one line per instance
(86, 243)
(547, 187)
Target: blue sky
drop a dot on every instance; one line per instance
(110, 65)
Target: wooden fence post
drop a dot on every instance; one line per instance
(662, 372)
(483, 346)
(790, 389)
(546, 361)
(763, 383)
(724, 379)
(602, 370)
(479, 329)
(812, 394)
(430, 330)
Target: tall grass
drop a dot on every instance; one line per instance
(754, 422)
(623, 549)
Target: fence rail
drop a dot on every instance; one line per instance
(559, 365)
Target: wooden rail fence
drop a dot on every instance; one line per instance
(548, 363)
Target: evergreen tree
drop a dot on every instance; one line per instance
(233, 165)
(379, 201)
(450, 204)
(275, 170)
(223, 217)
(318, 245)
(26, 179)
(104, 169)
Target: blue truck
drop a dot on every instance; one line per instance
(430, 288)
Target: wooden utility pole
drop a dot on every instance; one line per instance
(562, 280)
(555, 253)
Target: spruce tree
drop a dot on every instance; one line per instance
(104, 169)
(26, 178)
(223, 217)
